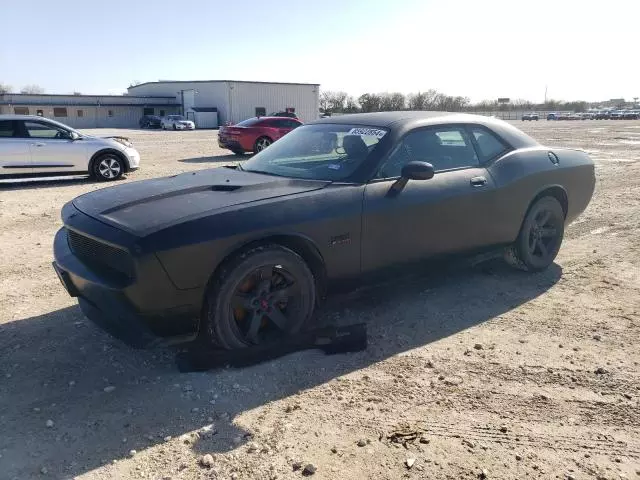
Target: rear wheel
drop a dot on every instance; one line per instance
(240, 153)
(261, 295)
(540, 236)
(261, 144)
(174, 127)
(107, 167)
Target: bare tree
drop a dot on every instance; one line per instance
(32, 89)
(416, 101)
(336, 103)
(351, 105)
(391, 102)
(325, 99)
(4, 88)
(369, 102)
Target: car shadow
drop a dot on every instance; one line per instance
(59, 367)
(217, 159)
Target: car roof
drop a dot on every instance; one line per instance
(406, 120)
(269, 117)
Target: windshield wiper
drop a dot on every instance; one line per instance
(267, 173)
(239, 166)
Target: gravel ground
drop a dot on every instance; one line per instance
(474, 372)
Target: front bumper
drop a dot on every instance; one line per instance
(144, 312)
(181, 126)
(133, 157)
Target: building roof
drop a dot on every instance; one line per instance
(80, 96)
(220, 81)
(45, 103)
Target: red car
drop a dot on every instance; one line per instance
(255, 134)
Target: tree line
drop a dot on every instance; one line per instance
(341, 102)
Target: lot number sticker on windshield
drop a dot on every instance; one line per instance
(371, 132)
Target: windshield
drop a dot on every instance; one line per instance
(318, 152)
(176, 117)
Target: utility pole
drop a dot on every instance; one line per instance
(545, 94)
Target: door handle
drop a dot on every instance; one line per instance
(38, 144)
(478, 181)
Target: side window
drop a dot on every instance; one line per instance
(292, 124)
(43, 130)
(7, 128)
(281, 123)
(446, 148)
(489, 146)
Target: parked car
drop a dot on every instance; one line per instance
(530, 116)
(284, 114)
(177, 122)
(631, 115)
(553, 116)
(255, 134)
(616, 115)
(241, 255)
(33, 146)
(150, 121)
(603, 115)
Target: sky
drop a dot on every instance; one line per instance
(481, 49)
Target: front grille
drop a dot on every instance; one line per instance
(100, 256)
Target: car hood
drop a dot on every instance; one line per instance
(113, 140)
(144, 207)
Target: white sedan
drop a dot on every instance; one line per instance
(33, 146)
(176, 122)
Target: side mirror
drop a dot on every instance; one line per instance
(74, 136)
(418, 171)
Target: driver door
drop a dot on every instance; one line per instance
(52, 150)
(451, 212)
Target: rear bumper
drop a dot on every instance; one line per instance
(230, 145)
(140, 315)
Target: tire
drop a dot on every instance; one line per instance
(174, 127)
(107, 167)
(239, 153)
(259, 315)
(540, 237)
(261, 144)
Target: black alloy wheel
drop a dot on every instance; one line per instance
(261, 296)
(540, 236)
(264, 300)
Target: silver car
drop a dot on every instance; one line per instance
(176, 122)
(33, 146)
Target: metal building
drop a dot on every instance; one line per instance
(237, 100)
(90, 111)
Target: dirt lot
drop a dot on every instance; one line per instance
(489, 368)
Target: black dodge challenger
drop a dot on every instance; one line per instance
(241, 254)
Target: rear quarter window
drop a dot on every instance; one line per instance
(488, 144)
